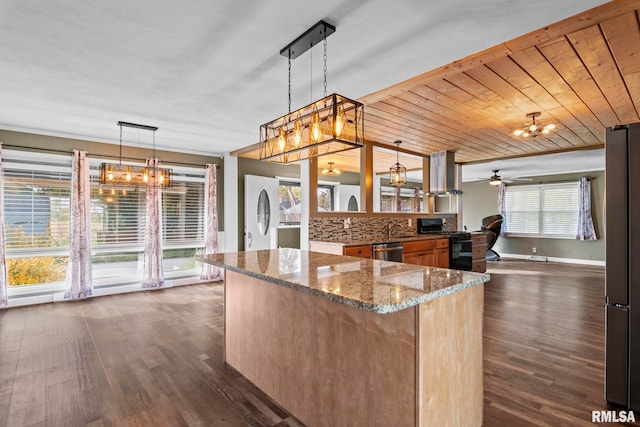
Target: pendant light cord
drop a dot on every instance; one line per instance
(120, 144)
(289, 80)
(325, 63)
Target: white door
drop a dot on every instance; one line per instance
(348, 198)
(261, 213)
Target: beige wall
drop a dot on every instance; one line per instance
(480, 199)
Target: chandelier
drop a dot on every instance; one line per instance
(534, 129)
(397, 172)
(331, 170)
(117, 174)
(330, 125)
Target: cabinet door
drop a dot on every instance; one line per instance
(412, 258)
(442, 258)
(428, 258)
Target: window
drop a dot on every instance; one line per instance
(549, 210)
(37, 203)
(289, 201)
(118, 226)
(37, 212)
(388, 199)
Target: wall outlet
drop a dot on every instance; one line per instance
(346, 223)
(409, 222)
(534, 250)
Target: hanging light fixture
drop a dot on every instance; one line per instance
(495, 178)
(330, 125)
(534, 129)
(397, 172)
(331, 170)
(117, 174)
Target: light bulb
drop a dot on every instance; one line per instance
(145, 176)
(110, 174)
(550, 127)
(161, 178)
(525, 134)
(297, 133)
(282, 139)
(128, 174)
(533, 128)
(113, 192)
(518, 132)
(338, 125)
(315, 127)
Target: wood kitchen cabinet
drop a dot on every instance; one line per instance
(430, 253)
(362, 251)
(442, 253)
(479, 252)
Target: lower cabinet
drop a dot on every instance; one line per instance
(479, 252)
(363, 251)
(430, 253)
(442, 253)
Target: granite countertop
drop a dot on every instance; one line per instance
(372, 241)
(372, 285)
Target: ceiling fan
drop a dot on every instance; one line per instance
(497, 179)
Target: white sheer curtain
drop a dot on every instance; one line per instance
(416, 199)
(211, 272)
(152, 275)
(3, 267)
(398, 200)
(502, 209)
(586, 230)
(79, 280)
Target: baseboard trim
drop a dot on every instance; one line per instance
(561, 260)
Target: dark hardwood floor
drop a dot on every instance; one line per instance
(155, 358)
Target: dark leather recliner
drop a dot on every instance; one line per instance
(492, 225)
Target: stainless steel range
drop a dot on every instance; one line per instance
(460, 243)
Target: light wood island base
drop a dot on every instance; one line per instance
(332, 364)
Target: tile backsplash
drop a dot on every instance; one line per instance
(327, 228)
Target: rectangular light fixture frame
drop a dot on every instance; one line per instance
(329, 125)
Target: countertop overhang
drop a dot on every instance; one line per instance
(371, 285)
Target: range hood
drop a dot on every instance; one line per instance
(442, 173)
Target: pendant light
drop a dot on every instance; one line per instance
(330, 125)
(397, 172)
(117, 174)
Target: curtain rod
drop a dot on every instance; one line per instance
(54, 151)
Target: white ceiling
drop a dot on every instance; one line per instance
(208, 73)
(547, 164)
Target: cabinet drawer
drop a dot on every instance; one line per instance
(442, 243)
(479, 239)
(363, 251)
(419, 246)
(479, 266)
(478, 252)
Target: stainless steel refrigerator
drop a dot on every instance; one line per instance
(622, 289)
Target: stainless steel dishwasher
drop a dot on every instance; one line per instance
(388, 251)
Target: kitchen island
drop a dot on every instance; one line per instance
(339, 340)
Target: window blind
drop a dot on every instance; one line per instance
(542, 210)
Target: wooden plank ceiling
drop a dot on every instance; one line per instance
(582, 73)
